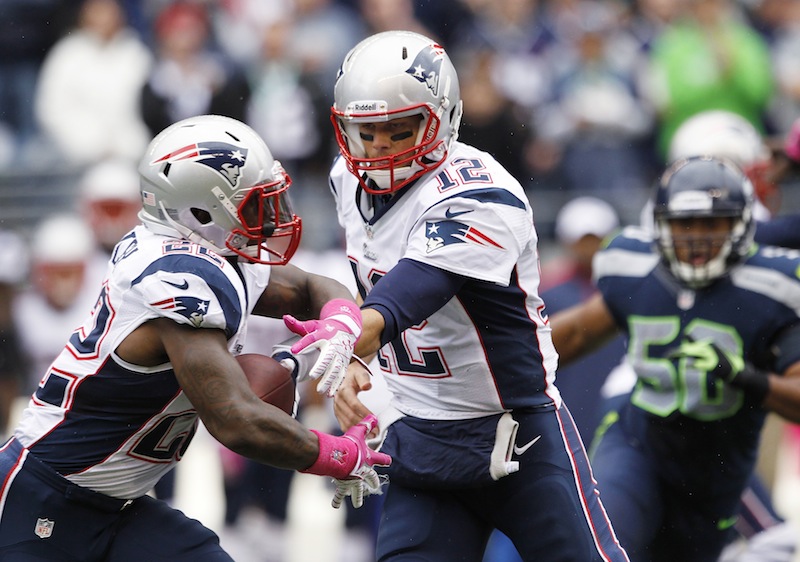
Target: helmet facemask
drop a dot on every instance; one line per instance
(264, 228)
(708, 255)
(390, 173)
(270, 231)
(692, 200)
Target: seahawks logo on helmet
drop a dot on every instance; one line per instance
(226, 159)
(427, 67)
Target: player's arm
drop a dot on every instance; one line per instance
(782, 392)
(405, 296)
(582, 328)
(779, 393)
(216, 386)
(783, 396)
(408, 294)
(373, 324)
(779, 231)
(346, 405)
(294, 291)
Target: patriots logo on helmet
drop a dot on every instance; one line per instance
(444, 233)
(192, 308)
(227, 159)
(427, 67)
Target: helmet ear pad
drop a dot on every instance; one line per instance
(387, 76)
(197, 174)
(703, 188)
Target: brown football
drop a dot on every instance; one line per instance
(269, 380)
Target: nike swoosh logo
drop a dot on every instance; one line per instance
(450, 215)
(519, 451)
(182, 286)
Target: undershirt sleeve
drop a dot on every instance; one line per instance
(784, 348)
(779, 231)
(411, 292)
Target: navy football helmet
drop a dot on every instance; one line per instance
(700, 187)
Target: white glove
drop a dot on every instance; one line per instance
(369, 483)
(334, 335)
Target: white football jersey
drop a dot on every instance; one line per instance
(115, 427)
(489, 348)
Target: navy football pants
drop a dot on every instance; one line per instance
(550, 508)
(45, 517)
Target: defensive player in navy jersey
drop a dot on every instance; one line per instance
(724, 134)
(119, 406)
(444, 250)
(714, 339)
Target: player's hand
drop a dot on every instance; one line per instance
(347, 407)
(358, 489)
(350, 461)
(334, 335)
(732, 369)
(362, 480)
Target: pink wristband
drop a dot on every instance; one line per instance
(344, 311)
(337, 456)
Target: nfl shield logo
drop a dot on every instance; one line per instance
(44, 528)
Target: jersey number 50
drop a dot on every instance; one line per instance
(663, 386)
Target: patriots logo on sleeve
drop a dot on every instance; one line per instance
(427, 67)
(226, 159)
(191, 308)
(444, 233)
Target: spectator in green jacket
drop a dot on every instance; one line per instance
(709, 59)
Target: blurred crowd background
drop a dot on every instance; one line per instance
(573, 96)
(579, 99)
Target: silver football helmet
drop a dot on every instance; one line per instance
(724, 134)
(214, 181)
(390, 75)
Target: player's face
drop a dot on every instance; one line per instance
(387, 138)
(698, 240)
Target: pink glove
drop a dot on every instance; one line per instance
(335, 335)
(350, 462)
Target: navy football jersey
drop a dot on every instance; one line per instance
(695, 424)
